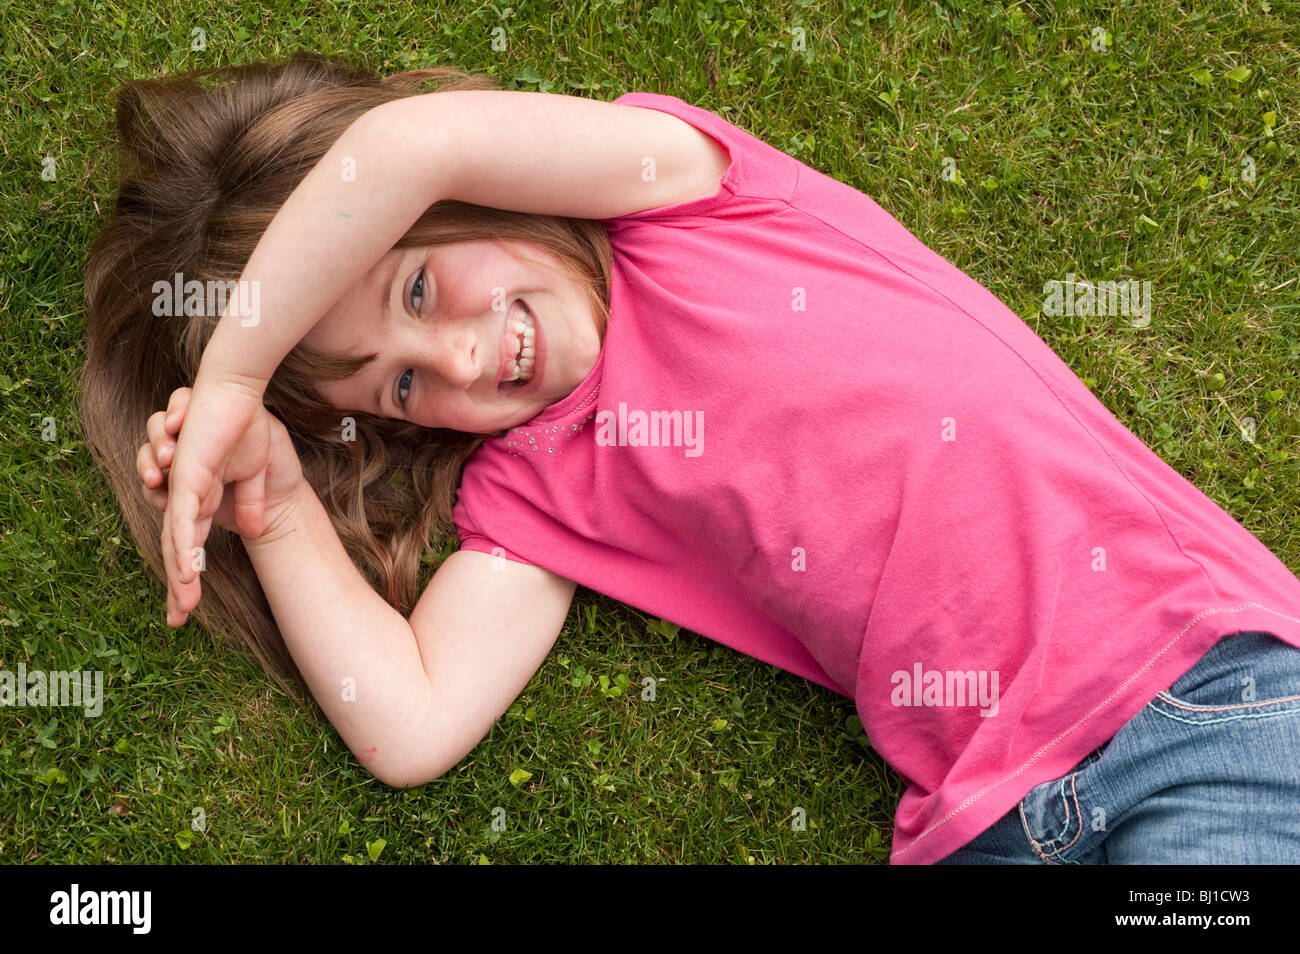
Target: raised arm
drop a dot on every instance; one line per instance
(550, 154)
(410, 699)
(541, 153)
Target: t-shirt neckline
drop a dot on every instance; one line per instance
(580, 397)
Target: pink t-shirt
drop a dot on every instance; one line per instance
(812, 439)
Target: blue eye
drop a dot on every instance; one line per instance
(409, 372)
(417, 290)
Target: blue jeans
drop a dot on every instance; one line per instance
(1207, 773)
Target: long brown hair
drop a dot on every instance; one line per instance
(208, 159)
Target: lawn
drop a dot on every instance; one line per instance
(1024, 142)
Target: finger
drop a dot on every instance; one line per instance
(184, 509)
(187, 596)
(185, 482)
(187, 508)
(181, 564)
(163, 443)
(146, 465)
(162, 434)
(205, 528)
(188, 592)
(176, 406)
(169, 567)
(155, 427)
(166, 452)
(250, 505)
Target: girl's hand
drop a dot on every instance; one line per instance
(215, 449)
(265, 446)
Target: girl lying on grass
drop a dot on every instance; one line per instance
(631, 346)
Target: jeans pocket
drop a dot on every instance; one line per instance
(1243, 675)
(1055, 819)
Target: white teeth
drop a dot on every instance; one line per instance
(522, 371)
(521, 368)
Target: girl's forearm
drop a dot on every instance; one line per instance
(347, 213)
(358, 655)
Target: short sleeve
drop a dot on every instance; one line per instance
(472, 539)
(481, 545)
(758, 173)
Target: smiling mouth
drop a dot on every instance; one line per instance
(519, 367)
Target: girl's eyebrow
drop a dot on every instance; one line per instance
(385, 296)
(386, 290)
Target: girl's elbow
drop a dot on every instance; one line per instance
(406, 774)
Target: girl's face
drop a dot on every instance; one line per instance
(467, 337)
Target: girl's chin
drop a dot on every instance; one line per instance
(521, 415)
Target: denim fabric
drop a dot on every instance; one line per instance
(1207, 773)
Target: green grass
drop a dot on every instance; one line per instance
(1126, 163)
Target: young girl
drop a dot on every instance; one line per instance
(688, 371)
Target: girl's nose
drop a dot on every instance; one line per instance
(456, 356)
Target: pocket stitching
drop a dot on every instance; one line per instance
(1054, 856)
(1078, 812)
(1277, 713)
(1033, 843)
(1193, 707)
